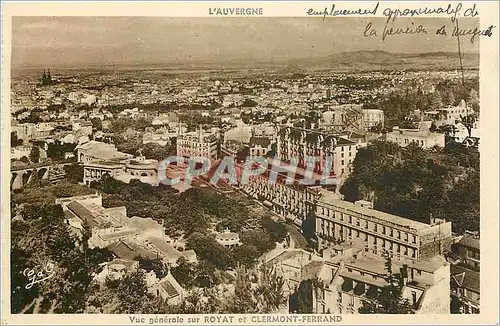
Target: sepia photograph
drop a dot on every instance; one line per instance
(269, 166)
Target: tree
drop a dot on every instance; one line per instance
(184, 272)
(436, 101)
(416, 183)
(248, 103)
(270, 290)
(128, 145)
(74, 172)
(301, 302)
(473, 99)
(277, 231)
(205, 274)
(244, 301)
(157, 152)
(468, 121)
(455, 305)
(259, 239)
(155, 265)
(389, 299)
(207, 248)
(377, 128)
(57, 150)
(96, 124)
(125, 296)
(246, 255)
(35, 154)
(41, 237)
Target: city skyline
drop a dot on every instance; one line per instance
(102, 41)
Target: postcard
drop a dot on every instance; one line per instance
(244, 163)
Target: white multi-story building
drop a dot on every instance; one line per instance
(127, 237)
(299, 144)
(345, 277)
(423, 138)
(372, 118)
(94, 151)
(378, 233)
(197, 144)
(450, 115)
(139, 168)
(352, 279)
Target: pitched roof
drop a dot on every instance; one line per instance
(466, 278)
(167, 249)
(129, 250)
(82, 212)
(123, 233)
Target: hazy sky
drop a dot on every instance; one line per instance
(72, 41)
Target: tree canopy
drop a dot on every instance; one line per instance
(416, 183)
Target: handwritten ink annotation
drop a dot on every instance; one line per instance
(36, 277)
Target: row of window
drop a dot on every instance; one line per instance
(361, 223)
(383, 245)
(194, 145)
(342, 156)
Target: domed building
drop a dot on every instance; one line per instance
(228, 239)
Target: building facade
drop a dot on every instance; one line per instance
(469, 252)
(197, 144)
(450, 115)
(300, 144)
(345, 277)
(422, 138)
(141, 169)
(372, 118)
(465, 290)
(378, 233)
(290, 201)
(354, 280)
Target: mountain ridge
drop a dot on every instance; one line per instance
(346, 60)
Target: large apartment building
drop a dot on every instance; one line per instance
(422, 138)
(127, 237)
(300, 144)
(346, 277)
(449, 115)
(376, 232)
(290, 201)
(197, 144)
(95, 151)
(372, 118)
(139, 168)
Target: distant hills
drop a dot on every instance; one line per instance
(382, 60)
(342, 61)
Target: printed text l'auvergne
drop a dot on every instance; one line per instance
(235, 11)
